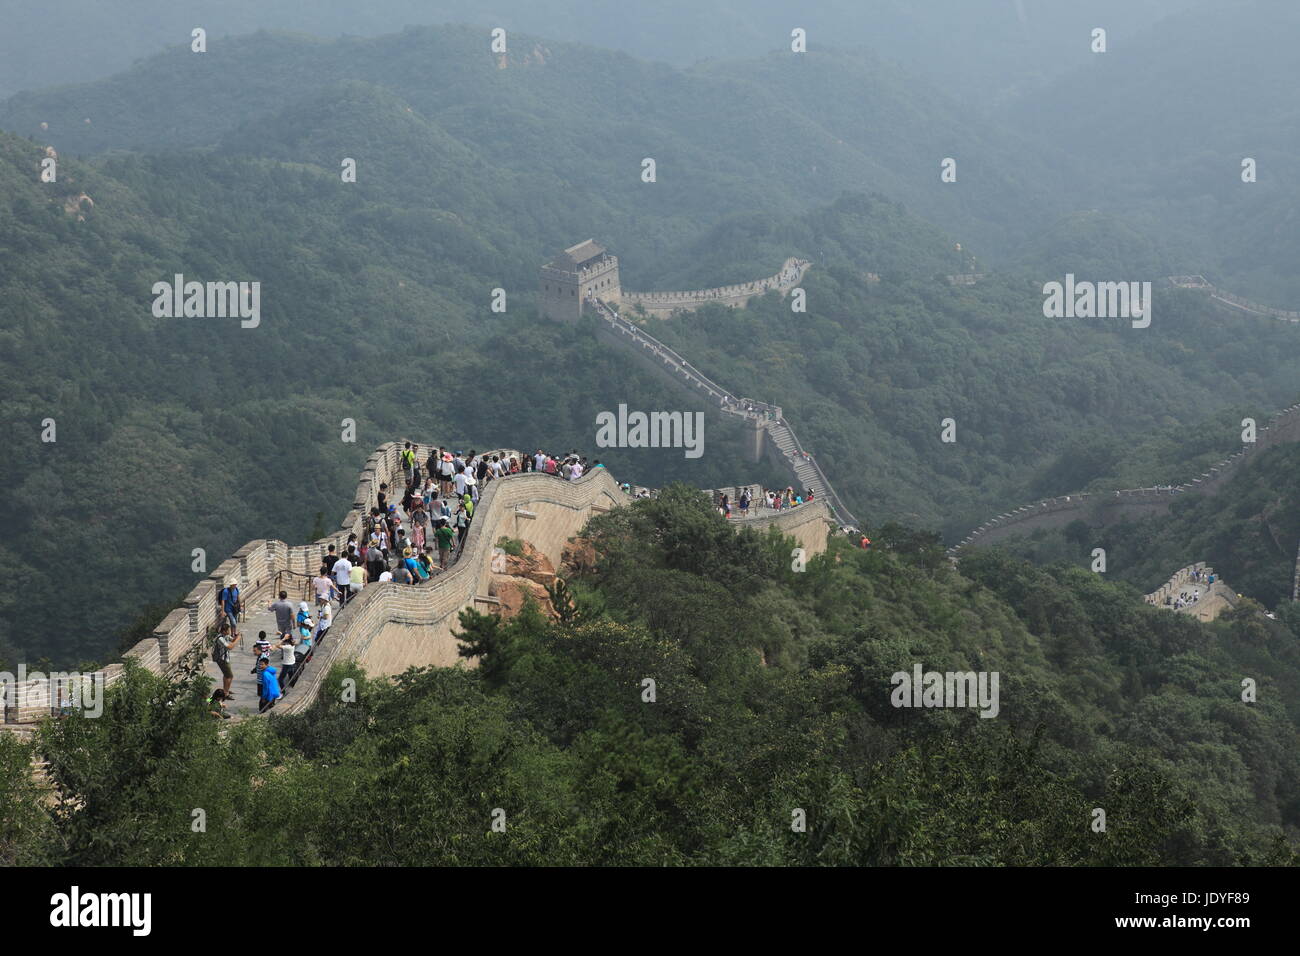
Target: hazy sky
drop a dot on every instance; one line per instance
(981, 50)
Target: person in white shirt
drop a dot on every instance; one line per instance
(386, 575)
(460, 483)
(324, 618)
(343, 580)
(576, 473)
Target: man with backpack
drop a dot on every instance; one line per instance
(231, 604)
(408, 462)
(221, 656)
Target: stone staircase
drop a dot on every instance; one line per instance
(807, 473)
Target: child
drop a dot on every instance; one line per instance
(287, 662)
(268, 686)
(262, 648)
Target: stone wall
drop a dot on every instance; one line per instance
(261, 566)
(663, 304)
(391, 627)
(1106, 507)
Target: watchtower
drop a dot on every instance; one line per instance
(578, 272)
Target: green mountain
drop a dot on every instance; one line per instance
(1101, 702)
(1248, 532)
(182, 434)
(1155, 131)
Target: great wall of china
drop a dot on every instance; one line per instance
(1216, 599)
(771, 434)
(1101, 508)
(733, 296)
(1107, 507)
(389, 627)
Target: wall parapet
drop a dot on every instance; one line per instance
(1284, 427)
(792, 271)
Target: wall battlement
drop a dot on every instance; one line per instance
(390, 627)
(1101, 508)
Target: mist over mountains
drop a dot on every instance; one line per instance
(474, 169)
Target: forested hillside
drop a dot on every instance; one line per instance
(1248, 533)
(984, 52)
(573, 123)
(183, 434)
(1103, 702)
(1155, 132)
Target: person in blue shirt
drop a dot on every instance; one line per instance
(413, 565)
(230, 606)
(268, 683)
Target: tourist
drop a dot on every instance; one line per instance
(343, 578)
(262, 648)
(283, 615)
(408, 462)
(268, 684)
(412, 564)
(444, 536)
(288, 662)
(217, 704)
(323, 621)
(331, 555)
(221, 654)
(376, 564)
(324, 587)
(231, 604)
(358, 577)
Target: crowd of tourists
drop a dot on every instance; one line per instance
(1191, 594)
(745, 503)
(412, 533)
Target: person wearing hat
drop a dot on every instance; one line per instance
(231, 604)
(445, 471)
(413, 566)
(444, 535)
(471, 485)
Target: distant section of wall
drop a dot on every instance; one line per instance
(664, 304)
(1101, 508)
(1215, 598)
